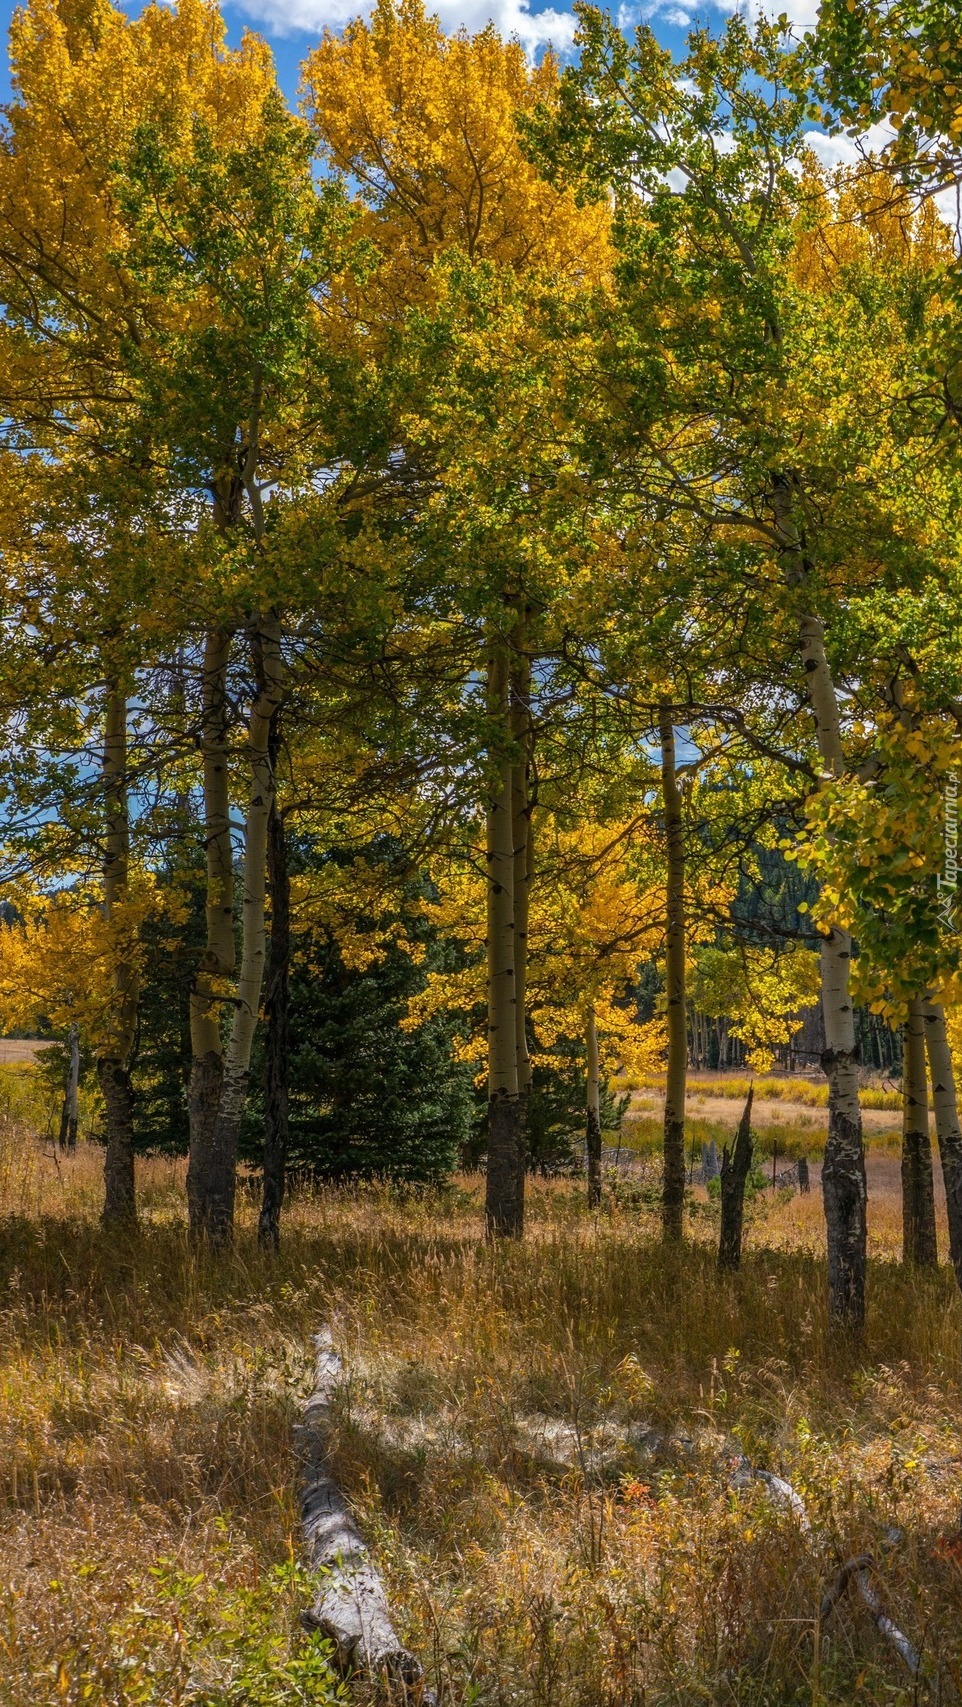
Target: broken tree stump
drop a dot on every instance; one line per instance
(735, 1167)
(351, 1607)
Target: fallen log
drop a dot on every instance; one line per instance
(859, 1570)
(351, 1607)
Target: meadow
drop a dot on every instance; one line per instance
(539, 1440)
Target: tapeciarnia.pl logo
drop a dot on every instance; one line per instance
(948, 880)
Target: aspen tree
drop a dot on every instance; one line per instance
(843, 1170)
(425, 126)
(217, 963)
(947, 1125)
(502, 1207)
(277, 1040)
(673, 1187)
(113, 1060)
(593, 1119)
(708, 309)
(919, 1242)
(522, 837)
(98, 325)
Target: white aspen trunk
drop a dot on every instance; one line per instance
(501, 1194)
(947, 1128)
(218, 1210)
(673, 1183)
(919, 1238)
(593, 1123)
(843, 1172)
(113, 1057)
(218, 961)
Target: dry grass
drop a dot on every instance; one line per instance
(536, 1438)
(808, 1093)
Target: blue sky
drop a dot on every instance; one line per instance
(292, 26)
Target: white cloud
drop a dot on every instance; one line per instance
(534, 29)
(842, 150)
(802, 14)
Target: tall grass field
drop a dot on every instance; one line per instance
(542, 1443)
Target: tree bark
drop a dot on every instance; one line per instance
(947, 1127)
(276, 1013)
(501, 1193)
(70, 1110)
(673, 1183)
(217, 963)
(216, 1213)
(843, 1171)
(350, 1608)
(113, 1057)
(919, 1240)
(593, 1124)
(735, 1168)
(522, 874)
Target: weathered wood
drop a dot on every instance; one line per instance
(735, 1167)
(351, 1606)
(859, 1570)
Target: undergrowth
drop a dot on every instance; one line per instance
(538, 1440)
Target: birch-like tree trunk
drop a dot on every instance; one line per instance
(113, 1058)
(217, 1209)
(277, 1040)
(501, 1194)
(216, 969)
(673, 1182)
(843, 1171)
(522, 874)
(919, 1239)
(593, 1122)
(947, 1129)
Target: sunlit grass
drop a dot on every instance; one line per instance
(147, 1481)
(810, 1093)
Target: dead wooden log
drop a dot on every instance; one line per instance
(780, 1492)
(735, 1168)
(351, 1606)
(860, 1570)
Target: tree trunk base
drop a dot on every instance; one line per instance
(120, 1203)
(502, 1210)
